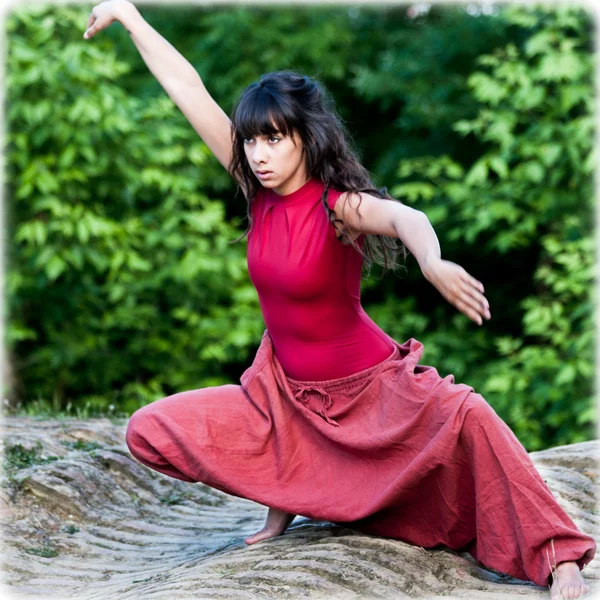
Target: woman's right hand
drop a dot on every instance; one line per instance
(104, 14)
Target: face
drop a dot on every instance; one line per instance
(282, 160)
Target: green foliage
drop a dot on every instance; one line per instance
(81, 445)
(17, 457)
(119, 265)
(70, 529)
(122, 284)
(46, 550)
(531, 188)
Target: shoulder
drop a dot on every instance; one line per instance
(332, 197)
(341, 201)
(337, 201)
(368, 214)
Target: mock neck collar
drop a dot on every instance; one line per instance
(311, 187)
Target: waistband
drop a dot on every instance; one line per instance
(343, 382)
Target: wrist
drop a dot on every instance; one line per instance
(127, 14)
(428, 264)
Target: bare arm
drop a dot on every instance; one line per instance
(380, 216)
(176, 75)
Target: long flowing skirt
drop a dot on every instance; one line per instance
(394, 450)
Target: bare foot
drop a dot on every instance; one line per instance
(567, 582)
(277, 522)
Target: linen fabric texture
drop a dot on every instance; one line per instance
(394, 450)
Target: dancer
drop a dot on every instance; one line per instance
(334, 419)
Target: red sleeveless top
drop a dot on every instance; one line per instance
(308, 285)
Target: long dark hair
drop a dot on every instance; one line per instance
(298, 103)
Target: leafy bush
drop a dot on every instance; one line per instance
(531, 188)
(122, 285)
(123, 288)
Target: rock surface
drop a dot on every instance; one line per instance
(93, 523)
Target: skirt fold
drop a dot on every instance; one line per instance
(394, 450)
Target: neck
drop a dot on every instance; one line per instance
(295, 182)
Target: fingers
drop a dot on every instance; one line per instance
(466, 293)
(474, 288)
(90, 30)
(474, 282)
(473, 304)
(476, 299)
(466, 307)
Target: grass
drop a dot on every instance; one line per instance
(41, 409)
(17, 457)
(46, 550)
(81, 445)
(70, 529)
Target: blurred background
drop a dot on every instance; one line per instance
(121, 285)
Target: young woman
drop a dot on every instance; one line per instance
(334, 419)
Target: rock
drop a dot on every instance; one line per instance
(82, 518)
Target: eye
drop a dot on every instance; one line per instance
(247, 140)
(274, 137)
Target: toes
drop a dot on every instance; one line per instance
(257, 537)
(574, 591)
(568, 592)
(260, 536)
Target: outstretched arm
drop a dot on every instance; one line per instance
(176, 75)
(378, 216)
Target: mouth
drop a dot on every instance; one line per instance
(263, 172)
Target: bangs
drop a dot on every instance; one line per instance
(259, 113)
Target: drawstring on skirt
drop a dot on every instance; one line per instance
(326, 401)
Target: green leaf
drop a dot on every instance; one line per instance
(55, 267)
(557, 66)
(549, 153)
(499, 165)
(83, 233)
(487, 89)
(541, 43)
(478, 173)
(566, 375)
(414, 191)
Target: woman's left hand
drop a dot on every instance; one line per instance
(459, 288)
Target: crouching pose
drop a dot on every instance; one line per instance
(334, 419)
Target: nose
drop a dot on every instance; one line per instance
(258, 153)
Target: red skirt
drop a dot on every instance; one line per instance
(394, 450)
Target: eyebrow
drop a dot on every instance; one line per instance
(277, 132)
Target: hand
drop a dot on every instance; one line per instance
(459, 288)
(103, 15)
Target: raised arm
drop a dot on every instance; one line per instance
(176, 75)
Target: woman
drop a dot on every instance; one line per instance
(334, 419)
